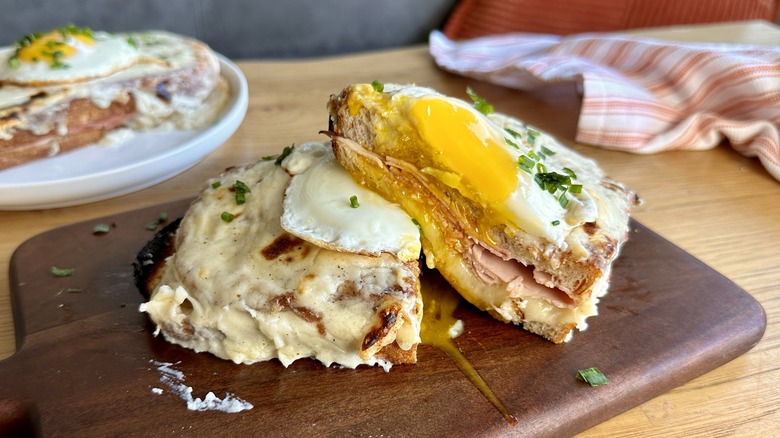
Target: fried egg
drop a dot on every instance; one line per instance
(66, 56)
(487, 158)
(324, 206)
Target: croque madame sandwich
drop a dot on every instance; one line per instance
(518, 224)
(68, 88)
(289, 258)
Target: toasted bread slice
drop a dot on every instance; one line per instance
(528, 251)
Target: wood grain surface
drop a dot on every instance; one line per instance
(87, 353)
(716, 205)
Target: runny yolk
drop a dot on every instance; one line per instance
(466, 149)
(52, 47)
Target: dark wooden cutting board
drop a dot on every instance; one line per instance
(87, 360)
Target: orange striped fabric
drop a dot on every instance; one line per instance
(641, 95)
(473, 18)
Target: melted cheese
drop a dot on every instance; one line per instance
(248, 291)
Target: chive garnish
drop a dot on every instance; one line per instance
(151, 226)
(592, 376)
(285, 153)
(419, 227)
(378, 86)
(227, 217)
(240, 189)
(479, 103)
(101, 229)
(216, 184)
(513, 133)
(532, 134)
(62, 272)
(133, 41)
(353, 201)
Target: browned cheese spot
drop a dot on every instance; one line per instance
(280, 246)
(285, 302)
(387, 319)
(590, 228)
(347, 289)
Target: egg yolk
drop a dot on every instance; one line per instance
(52, 47)
(467, 150)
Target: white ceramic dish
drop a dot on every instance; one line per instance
(98, 172)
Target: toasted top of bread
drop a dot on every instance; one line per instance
(519, 224)
(241, 287)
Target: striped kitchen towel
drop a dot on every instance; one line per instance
(641, 95)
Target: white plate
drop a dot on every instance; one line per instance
(98, 172)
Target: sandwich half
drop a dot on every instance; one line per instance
(70, 87)
(289, 258)
(521, 226)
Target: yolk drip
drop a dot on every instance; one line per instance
(51, 47)
(464, 146)
(439, 304)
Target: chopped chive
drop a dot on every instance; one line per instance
(569, 172)
(592, 376)
(547, 151)
(511, 143)
(532, 134)
(227, 217)
(241, 189)
(353, 201)
(285, 153)
(563, 200)
(133, 41)
(555, 223)
(151, 226)
(378, 86)
(101, 229)
(479, 103)
(216, 184)
(575, 188)
(62, 272)
(525, 161)
(419, 227)
(512, 132)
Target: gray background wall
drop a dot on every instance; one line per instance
(243, 28)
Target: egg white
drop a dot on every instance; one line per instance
(317, 208)
(108, 54)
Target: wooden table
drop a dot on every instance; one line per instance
(717, 205)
